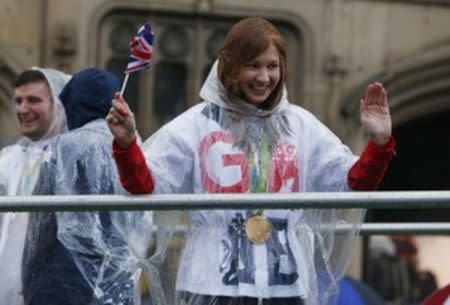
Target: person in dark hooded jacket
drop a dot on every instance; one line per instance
(54, 271)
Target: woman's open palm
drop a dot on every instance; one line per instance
(375, 114)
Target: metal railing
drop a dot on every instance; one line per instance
(347, 200)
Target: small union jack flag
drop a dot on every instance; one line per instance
(141, 50)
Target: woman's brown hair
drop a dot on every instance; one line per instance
(246, 40)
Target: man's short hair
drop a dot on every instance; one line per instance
(30, 76)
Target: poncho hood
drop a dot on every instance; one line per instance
(247, 123)
(56, 81)
(88, 96)
(213, 91)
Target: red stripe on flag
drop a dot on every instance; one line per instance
(142, 55)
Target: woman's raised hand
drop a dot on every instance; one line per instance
(121, 122)
(375, 115)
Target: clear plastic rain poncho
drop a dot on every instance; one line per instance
(89, 257)
(19, 169)
(225, 145)
(95, 256)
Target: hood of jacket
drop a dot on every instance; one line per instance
(56, 81)
(214, 92)
(248, 123)
(88, 96)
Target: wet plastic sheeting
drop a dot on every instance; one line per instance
(136, 244)
(309, 258)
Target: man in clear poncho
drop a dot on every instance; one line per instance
(41, 116)
(243, 137)
(71, 258)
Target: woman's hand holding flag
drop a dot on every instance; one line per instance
(120, 118)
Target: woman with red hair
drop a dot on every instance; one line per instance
(246, 137)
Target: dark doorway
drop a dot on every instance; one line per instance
(422, 163)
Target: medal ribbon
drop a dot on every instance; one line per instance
(258, 174)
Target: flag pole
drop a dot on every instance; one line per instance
(124, 83)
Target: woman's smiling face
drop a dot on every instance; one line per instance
(259, 78)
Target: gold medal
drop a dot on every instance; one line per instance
(258, 229)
